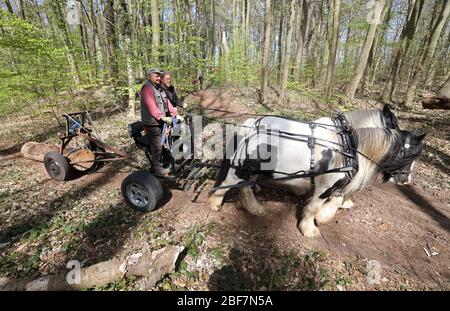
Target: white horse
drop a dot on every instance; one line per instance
(374, 118)
(380, 151)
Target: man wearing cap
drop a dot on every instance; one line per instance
(156, 110)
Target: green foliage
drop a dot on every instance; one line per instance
(235, 68)
(32, 66)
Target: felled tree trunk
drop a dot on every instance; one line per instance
(36, 151)
(439, 101)
(152, 266)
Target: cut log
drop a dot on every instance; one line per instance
(152, 266)
(435, 102)
(36, 151)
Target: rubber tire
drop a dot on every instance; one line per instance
(149, 183)
(61, 162)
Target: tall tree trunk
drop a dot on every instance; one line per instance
(380, 33)
(265, 52)
(415, 10)
(62, 26)
(212, 38)
(154, 11)
(317, 45)
(364, 55)
(429, 51)
(333, 47)
(280, 39)
(97, 51)
(302, 21)
(247, 26)
(22, 9)
(348, 35)
(287, 53)
(125, 28)
(9, 7)
(111, 40)
(226, 52)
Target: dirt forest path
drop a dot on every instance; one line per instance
(405, 230)
(399, 226)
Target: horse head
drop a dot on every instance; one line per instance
(399, 164)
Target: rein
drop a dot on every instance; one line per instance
(347, 148)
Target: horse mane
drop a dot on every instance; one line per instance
(376, 144)
(366, 118)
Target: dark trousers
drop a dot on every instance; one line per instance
(154, 134)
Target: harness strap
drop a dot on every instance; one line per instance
(311, 145)
(348, 145)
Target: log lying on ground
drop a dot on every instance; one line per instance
(36, 151)
(435, 102)
(152, 266)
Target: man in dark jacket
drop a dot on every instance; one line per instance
(156, 109)
(166, 84)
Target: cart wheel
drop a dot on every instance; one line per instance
(142, 191)
(57, 166)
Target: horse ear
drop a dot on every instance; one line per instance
(421, 137)
(387, 110)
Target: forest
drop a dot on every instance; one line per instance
(229, 59)
(393, 50)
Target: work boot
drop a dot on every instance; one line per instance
(162, 172)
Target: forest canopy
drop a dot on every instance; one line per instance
(393, 50)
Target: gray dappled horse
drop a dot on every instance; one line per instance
(381, 151)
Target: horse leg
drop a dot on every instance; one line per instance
(248, 201)
(299, 191)
(307, 225)
(216, 198)
(328, 209)
(348, 203)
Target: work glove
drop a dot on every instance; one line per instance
(167, 120)
(180, 119)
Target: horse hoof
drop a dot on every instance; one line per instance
(309, 230)
(215, 204)
(348, 204)
(260, 211)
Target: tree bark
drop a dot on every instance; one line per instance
(125, 14)
(333, 48)
(9, 7)
(302, 21)
(265, 52)
(154, 11)
(347, 36)
(22, 10)
(317, 43)
(287, 53)
(415, 10)
(362, 62)
(111, 42)
(62, 26)
(280, 40)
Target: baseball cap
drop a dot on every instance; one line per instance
(153, 70)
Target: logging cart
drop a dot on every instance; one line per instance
(81, 149)
(142, 190)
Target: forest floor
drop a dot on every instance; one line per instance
(401, 232)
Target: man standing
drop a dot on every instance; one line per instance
(166, 84)
(156, 110)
